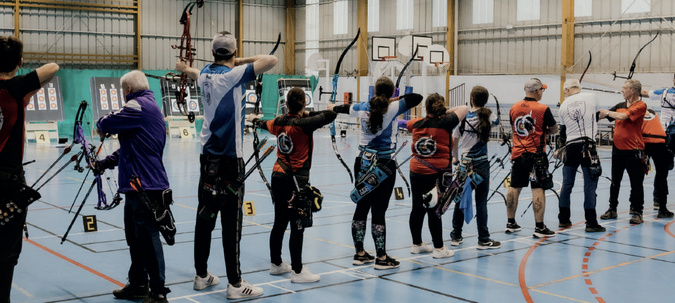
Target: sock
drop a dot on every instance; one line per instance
(358, 234)
(512, 220)
(540, 224)
(379, 236)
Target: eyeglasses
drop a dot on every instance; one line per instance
(542, 89)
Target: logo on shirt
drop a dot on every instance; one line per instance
(524, 125)
(284, 143)
(206, 93)
(425, 146)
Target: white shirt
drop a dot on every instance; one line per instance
(577, 113)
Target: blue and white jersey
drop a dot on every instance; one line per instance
(667, 97)
(222, 90)
(385, 139)
(470, 145)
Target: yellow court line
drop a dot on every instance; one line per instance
(603, 269)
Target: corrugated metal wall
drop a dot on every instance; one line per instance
(508, 46)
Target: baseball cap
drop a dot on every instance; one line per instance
(224, 44)
(534, 84)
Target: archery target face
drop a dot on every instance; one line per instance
(524, 125)
(284, 143)
(308, 99)
(193, 106)
(425, 147)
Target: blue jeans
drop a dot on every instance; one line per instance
(480, 193)
(145, 247)
(590, 184)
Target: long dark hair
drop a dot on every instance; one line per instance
(479, 97)
(384, 89)
(435, 105)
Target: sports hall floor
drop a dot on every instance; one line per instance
(628, 263)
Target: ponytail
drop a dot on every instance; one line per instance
(479, 97)
(384, 89)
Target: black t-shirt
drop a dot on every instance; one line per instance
(14, 96)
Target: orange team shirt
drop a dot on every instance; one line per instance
(652, 131)
(628, 133)
(529, 121)
(432, 141)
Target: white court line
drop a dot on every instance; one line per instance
(23, 291)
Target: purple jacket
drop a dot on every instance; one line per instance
(142, 136)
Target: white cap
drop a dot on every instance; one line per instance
(224, 44)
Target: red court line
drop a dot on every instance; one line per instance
(523, 264)
(80, 265)
(667, 228)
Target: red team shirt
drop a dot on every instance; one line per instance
(14, 96)
(530, 121)
(432, 142)
(628, 133)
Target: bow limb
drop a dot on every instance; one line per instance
(187, 54)
(333, 97)
(256, 111)
(590, 59)
(407, 64)
(634, 63)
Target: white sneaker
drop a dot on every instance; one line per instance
(279, 269)
(201, 283)
(305, 276)
(442, 252)
(245, 290)
(420, 249)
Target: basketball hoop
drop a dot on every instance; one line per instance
(389, 58)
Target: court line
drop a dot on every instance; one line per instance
(78, 264)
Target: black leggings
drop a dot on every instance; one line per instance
(230, 220)
(378, 201)
(421, 184)
(282, 187)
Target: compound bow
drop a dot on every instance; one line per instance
(333, 97)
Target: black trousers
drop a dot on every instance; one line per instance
(284, 213)
(630, 162)
(662, 159)
(230, 220)
(10, 246)
(421, 184)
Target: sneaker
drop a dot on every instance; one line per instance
(636, 219)
(543, 232)
(201, 283)
(156, 298)
(387, 263)
(279, 269)
(564, 224)
(442, 252)
(609, 214)
(130, 292)
(512, 227)
(488, 244)
(245, 290)
(305, 276)
(664, 214)
(420, 249)
(360, 260)
(456, 242)
(595, 229)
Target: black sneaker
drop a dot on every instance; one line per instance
(456, 241)
(129, 292)
(387, 263)
(156, 298)
(595, 229)
(564, 224)
(488, 244)
(636, 219)
(360, 260)
(609, 214)
(664, 213)
(512, 227)
(543, 232)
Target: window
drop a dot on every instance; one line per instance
(340, 17)
(483, 11)
(373, 15)
(636, 6)
(583, 8)
(440, 13)
(404, 14)
(528, 10)
(312, 27)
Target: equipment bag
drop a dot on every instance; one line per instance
(15, 201)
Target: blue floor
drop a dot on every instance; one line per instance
(625, 264)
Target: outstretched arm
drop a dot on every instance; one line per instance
(47, 72)
(191, 72)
